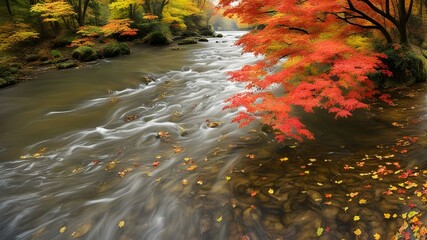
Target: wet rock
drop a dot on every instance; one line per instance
(315, 196)
(330, 212)
(203, 40)
(31, 58)
(251, 216)
(66, 65)
(148, 79)
(188, 41)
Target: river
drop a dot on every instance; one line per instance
(138, 147)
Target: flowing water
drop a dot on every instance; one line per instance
(103, 152)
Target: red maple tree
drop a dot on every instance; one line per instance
(311, 49)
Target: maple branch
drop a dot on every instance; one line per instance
(379, 11)
(364, 16)
(294, 28)
(347, 20)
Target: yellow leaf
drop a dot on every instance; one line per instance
(395, 215)
(63, 229)
(386, 215)
(362, 201)
(357, 232)
(377, 236)
(356, 218)
(270, 191)
(219, 219)
(320, 231)
(121, 224)
(227, 178)
(284, 159)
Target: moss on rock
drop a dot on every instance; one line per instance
(115, 49)
(84, 54)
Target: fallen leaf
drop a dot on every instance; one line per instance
(377, 236)
(356, 218)
(184, 182)
(192, 167)
(362, 201)
(110, 166)
(284, 159)
(200, 182)
(219, 219)
(227, 178)
(328, 195)
(121, 224)
(353, 194)
(63, 229)
(253, 193)
(319, 231)
(387, 215)
(270, 191)
(156, 163)
(358, 232)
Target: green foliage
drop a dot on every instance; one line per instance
(404, 64)
(160, 36)
(85, 54)
(55, 54)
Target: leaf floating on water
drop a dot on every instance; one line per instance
(110, 166)
(114, 100)
(357, 232)
(356, 218)
(412, 214)
(377, 236)
(328, 195)
(124, 172)
(253, 193)
(184, 182)
(192, 167)
(362, 201)
(63, 229)
(353, 194)
(219, 219)
(227, 178)
(162, 134)
(200, 182)
(156, 163)
(177, 149)
(319, 231)
(284, 159)
(251, 156)
(81, 230)
(270, 191)
(387, 215)
(213, 124)
(121, 224)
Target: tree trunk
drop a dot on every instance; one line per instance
(9, 9)
(403, 20)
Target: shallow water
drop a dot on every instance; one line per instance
(96, 153)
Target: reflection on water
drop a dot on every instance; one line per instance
(96, 153)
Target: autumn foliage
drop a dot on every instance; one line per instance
(309, 53)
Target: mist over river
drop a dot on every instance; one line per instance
(139, 147)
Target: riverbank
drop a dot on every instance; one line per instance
(48, 55)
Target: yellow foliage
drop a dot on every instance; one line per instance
(359, 42)
(53, 11)
(11, 34)
(176, 10)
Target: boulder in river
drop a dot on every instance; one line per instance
(85, 54)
